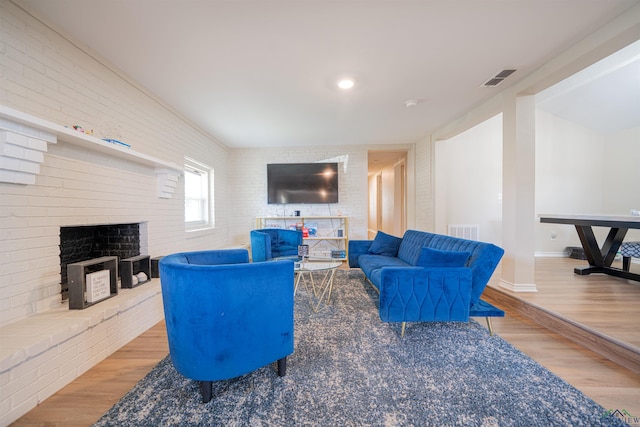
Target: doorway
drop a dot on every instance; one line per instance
(387, 192)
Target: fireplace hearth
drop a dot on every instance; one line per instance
(81, 243)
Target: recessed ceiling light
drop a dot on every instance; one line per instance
(410, 103)
(346, 83)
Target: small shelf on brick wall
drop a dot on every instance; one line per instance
(26, 138)
(79, 272)
(130, 267)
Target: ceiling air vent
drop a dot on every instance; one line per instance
(498, 78)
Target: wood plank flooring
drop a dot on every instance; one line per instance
(605, 302)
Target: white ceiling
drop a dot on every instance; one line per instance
(262, 73)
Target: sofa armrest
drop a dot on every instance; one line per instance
(415, 294)
(357, 248)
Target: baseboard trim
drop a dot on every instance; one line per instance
(518, 287)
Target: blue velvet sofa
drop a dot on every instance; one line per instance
(427, 277)
(269, 243)
(226, 317)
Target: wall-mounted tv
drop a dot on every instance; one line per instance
(302, 183)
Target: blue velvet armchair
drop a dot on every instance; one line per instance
(226, 317)
(269, 243)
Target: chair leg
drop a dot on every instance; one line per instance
(626, 263)
(404, 327)
(206, 388)
(282, 366)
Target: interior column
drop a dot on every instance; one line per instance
(518, 191)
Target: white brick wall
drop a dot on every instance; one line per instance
(44, 75)
(425, 217)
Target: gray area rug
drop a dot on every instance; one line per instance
(351, 369)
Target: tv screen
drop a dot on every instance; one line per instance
(302, 182)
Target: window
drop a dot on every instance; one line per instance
(198, 180)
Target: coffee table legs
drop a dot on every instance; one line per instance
(325, 285)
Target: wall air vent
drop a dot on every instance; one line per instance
(499, 77)
(465, 231)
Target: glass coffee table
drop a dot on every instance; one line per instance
(317, 290)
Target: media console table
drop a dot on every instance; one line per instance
(600, 258)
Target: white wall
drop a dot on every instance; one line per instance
(387, 204)
(468, 170)
(622, 173)
(43, 345)
(373, 204)
(579, 170)
(569, 178)
(48, 77)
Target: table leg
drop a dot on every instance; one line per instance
(590, 245)
(600, 259)
(327, 283)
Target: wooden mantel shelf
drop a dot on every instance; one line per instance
(24, 139)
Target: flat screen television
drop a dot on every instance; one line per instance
(302, 183)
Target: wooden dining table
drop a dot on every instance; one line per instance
(600, 257)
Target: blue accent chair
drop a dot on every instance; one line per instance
(269, 243)
(226, 317)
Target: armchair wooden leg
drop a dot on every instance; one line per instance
(404, 327)
(206, 388)
(282, 366)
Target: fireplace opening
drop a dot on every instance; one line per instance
(81, 243)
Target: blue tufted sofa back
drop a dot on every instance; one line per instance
(482, 262)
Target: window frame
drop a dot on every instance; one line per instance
(207, 219)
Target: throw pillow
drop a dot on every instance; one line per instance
(385, 244)
(437, 258)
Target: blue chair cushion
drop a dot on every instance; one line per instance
(372, 265)
(484, 309)
(630, 249)
(385, 244)
(438, 258)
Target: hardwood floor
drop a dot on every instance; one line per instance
(606, 303)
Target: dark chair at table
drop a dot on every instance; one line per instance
(269, 243)
(226, 317)
(629, 250)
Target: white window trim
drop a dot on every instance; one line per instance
(196, 166)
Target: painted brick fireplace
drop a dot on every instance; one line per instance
(81, 243)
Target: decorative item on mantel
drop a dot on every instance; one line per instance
(25, 138)
(92, 281)
(135, 271)
(115, 141)
(80, 129)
